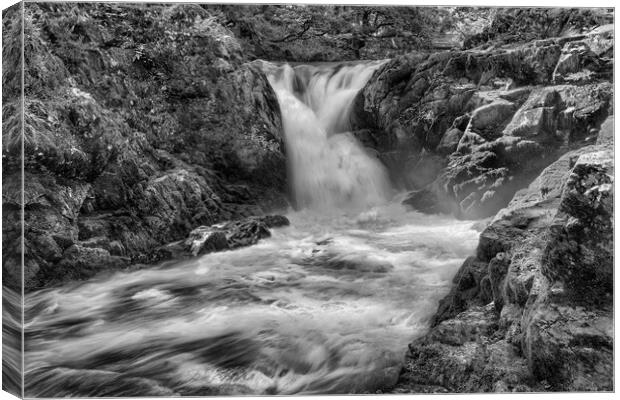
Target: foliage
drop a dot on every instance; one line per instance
(11, 53)
(322, 33)
(513, 25)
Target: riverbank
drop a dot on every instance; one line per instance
(533, 309)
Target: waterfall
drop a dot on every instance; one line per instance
(328, 166)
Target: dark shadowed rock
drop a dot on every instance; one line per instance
(205, 239)
(81, 262)
(468, 290)
(423, 200)
(230, 235)
(274, 221)
(449, 141)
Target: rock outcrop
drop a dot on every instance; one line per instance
(224, 236)
(472, 127)
(141, 122)
(533, 309)
(518, 25)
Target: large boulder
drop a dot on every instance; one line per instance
(462, 355)
(532, 311)
(580, 251)
(224, 236)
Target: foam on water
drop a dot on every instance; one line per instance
(328, 167)
(326, 305)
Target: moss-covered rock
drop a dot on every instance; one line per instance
(141, 122)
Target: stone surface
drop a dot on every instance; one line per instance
(138, 128)
(532, 311)
(489, 139)
(422, 200)
(579, 253)
(223, 236)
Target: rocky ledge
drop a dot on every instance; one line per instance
(533, 309)
(141, 123)
(465, 129)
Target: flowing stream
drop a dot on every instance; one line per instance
(326, 305)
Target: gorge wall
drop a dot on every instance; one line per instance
(140, 123)
(466, 129)
(533, 309)
(143, 123)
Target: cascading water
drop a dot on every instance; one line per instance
(329, 168)
(326, 305)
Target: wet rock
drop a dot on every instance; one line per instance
(468, 290)
(230, 235)
(274, 221)
(354, 263)
(245, 232)
(510, 135)
(423, 200)
(206, 239)
(532, 310)
(481, 176)
(497, 270)
(79, 262)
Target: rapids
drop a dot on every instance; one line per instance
(325, 305)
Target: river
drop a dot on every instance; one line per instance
(325, 305)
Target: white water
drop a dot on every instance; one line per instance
(326, 305)
(328, 167)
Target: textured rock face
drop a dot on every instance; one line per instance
(224, 236)
(234, 234)
(141, 123)
(482, 124)
(516, 25)
(532, 311)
